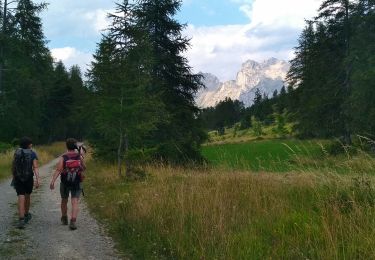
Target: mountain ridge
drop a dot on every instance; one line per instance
(267, 76)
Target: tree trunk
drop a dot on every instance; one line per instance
(2, 44)
(347, 87)
(128, 167)
(119, 156)
(121, 141)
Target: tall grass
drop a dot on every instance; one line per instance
(221, 214)
(5, 164)
(47, 153)
(264, 155)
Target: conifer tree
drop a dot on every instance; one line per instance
(28, 68)
(362, 55)
(337, 15)
(78, 122)
(179, 137)
(125, 112)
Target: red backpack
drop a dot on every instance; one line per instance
(73, 169)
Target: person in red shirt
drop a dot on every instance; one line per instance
(70, 169)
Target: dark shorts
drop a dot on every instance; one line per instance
(24, 188)
(75, 191)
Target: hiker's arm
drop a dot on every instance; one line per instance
(58, 170)
(36, 173)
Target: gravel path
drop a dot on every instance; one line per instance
(44, 237)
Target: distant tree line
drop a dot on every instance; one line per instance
(227, 113)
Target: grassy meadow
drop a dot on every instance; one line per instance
(263, 155)
(45, 154)
(323, 211)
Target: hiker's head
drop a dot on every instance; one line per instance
(25, 142)
(71, 144)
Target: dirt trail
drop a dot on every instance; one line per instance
(44, 237)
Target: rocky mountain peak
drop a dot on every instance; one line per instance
(267, 76)
(210, 81)
(271, 61)
(250, 64)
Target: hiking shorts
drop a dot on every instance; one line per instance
(75, 191)
(24, 188)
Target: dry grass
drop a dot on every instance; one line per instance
(5, 164)
(47, 153)
(215, 214)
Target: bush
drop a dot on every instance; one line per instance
(4, 147)
(337, 147)
(257, 126)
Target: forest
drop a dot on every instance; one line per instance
(137, 102)
(137, 96)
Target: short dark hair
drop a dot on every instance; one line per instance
(25, 142)
(71, 144)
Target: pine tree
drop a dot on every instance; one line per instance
(179, 137)
(337, 14)
(125, 112)
(315, 77)
(78, 121)
(58, 105)
(362, 54)
(28, 69)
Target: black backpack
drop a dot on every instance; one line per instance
(23, 165)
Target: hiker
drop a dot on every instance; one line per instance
(70, 168)
(24, 168)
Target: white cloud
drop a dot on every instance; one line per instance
(272, 31)
(98, 19)
(71, 56)
(287, 12)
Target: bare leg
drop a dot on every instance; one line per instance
(21, 206)
(64, 207)
(75, 209)
(27, 203)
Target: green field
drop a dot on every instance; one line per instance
(265, 155)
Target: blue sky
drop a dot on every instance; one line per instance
(225, 33)
(211, 13)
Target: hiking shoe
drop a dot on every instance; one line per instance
(72, 225)
(64, 220)
(28, 217)
(21, 224)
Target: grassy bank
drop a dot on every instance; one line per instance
(264, 155)
(45, 154)
(232, 135)
(221, 214)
